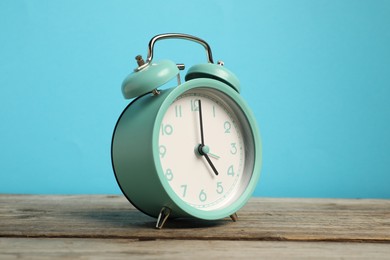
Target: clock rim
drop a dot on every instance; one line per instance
(247, 193)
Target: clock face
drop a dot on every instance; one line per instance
(206, 149)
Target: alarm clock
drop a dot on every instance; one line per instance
(188, 151)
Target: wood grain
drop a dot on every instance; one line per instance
(262, 219)
(77, 248)
(108, 227)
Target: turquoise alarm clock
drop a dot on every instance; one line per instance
(189, 151)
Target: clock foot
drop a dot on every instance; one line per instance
(162, 217)
(234, 217)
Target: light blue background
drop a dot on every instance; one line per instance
(316, 73)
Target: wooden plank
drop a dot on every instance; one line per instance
(165, 249)
(76, 248)
(101, 216)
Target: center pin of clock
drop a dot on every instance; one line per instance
(204, 149)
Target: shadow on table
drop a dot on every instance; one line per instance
(114, 218)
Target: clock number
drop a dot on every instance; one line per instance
(194, 104)
(169, 174)
(219, 187)
(184, 187)
(178, 110)
(166, 129)
(202, 196)
(233, 148)
(230, 171)
(163, 150)
(227, 126)
(213, 111)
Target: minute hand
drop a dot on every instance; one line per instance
(200, 147)
(201, 122)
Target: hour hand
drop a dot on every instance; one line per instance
(211, 164)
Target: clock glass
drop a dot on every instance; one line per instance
(206, 149)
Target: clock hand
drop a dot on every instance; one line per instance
(211, 164)
(201, 122)
(202, 151)
(200, 148)
(213, 155)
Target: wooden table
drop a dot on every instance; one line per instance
(108, 227)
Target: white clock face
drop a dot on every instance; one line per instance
(206, 149)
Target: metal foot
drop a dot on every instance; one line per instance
(234, 217)
(180, 66)
(162, 217)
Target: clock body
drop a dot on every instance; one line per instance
(161, 141)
